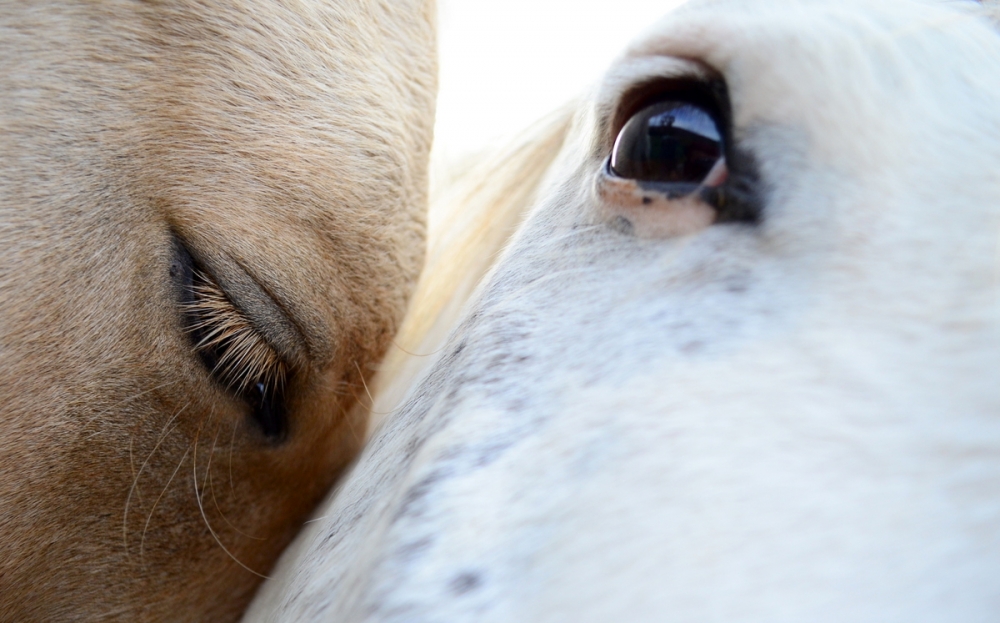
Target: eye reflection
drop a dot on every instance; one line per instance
(670, 142)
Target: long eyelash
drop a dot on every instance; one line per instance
(240, 358)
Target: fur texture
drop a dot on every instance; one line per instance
(281, 148)
(791, 419)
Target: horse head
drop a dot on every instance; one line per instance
(211, 219)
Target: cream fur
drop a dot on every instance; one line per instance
(793, 420)
(285, 144)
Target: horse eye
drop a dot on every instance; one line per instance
(230, 347)
(236, 354)
(670, 142)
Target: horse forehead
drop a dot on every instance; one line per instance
(724, 33)
(832, 69)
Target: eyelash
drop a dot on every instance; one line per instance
(230, 346)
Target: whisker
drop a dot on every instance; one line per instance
(124, 401)
(135, 481)
(149, 518)
(430, 354)
(232, 442)
(215, 500)
(201, 508)
(350, 423)
(365, 385)
(131, 465)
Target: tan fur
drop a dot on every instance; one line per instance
(285, 143)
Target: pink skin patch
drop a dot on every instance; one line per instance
(654, 215)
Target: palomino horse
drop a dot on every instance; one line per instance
(211, 220)
(738, 364)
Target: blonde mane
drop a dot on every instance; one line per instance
(474, 212)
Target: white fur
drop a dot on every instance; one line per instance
(797, 420)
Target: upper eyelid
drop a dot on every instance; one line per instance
(206, 309)
(246, 293)
(632, 73)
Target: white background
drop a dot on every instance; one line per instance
(506, 63)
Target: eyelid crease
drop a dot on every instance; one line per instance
(633, 74)
(240, 357)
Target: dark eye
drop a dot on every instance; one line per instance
(670, 142)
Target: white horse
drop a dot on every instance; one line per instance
(739, 362)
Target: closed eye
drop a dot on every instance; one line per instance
(232, 349)
(238, 356)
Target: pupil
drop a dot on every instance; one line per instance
(668, 142)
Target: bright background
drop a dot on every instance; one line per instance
(507, 63)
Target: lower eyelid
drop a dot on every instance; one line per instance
(648, 212)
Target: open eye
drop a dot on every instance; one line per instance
(670, 142)
(675, 142)
(231, 348)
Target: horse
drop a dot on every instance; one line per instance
(737, 360)
(212, 216)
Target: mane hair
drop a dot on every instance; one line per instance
(475, 209)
